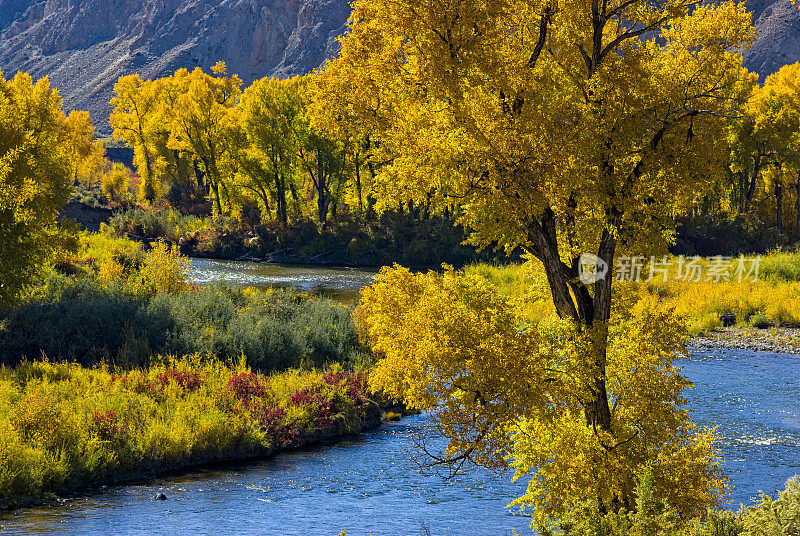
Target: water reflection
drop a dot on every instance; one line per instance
(338, 283)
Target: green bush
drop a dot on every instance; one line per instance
(86, 322)
(759, 320)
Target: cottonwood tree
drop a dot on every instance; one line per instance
(774, 128)
(88, 153)
(36, 168)
(564, 128)
(135, 120)
(200, 121)
(319, 156)
(267, 110)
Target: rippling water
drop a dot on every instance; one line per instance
(367, 486)
(754, 399)
(338, 283)
(370, 486)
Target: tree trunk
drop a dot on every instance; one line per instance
(591, 314)
(751, 187)
(797, 206)
(215, 190)
(265, 201)
(280, 195)
(357, 165)
(779, 206)
(198, 175)
(298, 213)
(323, 200)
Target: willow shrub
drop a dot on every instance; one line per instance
(766, 517)
(85, 321)
(775, 296)
(64, 427)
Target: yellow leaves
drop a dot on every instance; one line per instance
(115, 183)
(35, 159)
(509, 394)
(714, 28)
(184, 114)
(462, 117)
(219, 68)
(87, 155)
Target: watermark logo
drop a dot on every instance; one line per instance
(718, 269)
(591, 268)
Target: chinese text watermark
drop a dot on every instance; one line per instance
(694, 269)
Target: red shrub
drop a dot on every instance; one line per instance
(353, 384)
(246, 386)
(319, 403)
(273, 421)
(105, 424)
(187, 380)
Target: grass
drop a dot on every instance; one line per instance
(114, 302)
(773, 299)
(64, 427)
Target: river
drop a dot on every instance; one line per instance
(339, 283)
(370, 485)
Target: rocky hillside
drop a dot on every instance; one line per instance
(85, 45)
(778, 25)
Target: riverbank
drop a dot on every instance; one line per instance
(349, 240)
(768, 296)
(66, 428)
(774, 339)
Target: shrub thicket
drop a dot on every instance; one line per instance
(768, 517)
(64, 427)
(358, 240)
(117, 302)
(86, 322)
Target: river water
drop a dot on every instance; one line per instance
(370, 485)
(338, 283)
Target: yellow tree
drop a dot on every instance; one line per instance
(88, 154)
(135, 119)
(339, 121)
(268, 108)
(114, 184)
(568, 128)
(322, 157)
(774, 111)
(200, 120)
(35, 173)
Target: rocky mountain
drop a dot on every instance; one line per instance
(85, 45)
(778, 25)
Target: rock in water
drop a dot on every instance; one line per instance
(160, 497)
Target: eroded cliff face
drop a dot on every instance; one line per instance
(85, 45)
